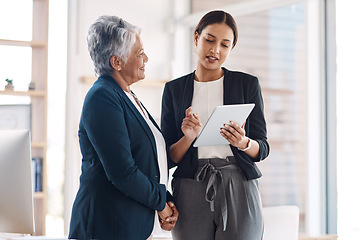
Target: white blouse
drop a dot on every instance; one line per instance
(207, 96)
(161, 153)
(159, 140)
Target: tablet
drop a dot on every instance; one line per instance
(210, 133)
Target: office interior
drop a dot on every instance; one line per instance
(304, 53)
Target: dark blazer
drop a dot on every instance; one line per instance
(238, 88)
(119, 184)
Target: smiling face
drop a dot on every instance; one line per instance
(134, 68)
(214, 45)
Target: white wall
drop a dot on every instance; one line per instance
(348, 118)
(154, 18)
(151, 16)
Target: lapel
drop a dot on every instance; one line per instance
(151, 119)
(189, 90)
(138, 115)
(226, 87)
(185, 103)
(149, 115)
(188, 94)
(141, 120)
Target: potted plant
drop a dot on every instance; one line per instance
(32, 85)
(9, 85)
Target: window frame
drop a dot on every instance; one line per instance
(321, 197)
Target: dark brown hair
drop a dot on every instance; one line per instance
(217, 16)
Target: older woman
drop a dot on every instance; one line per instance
(124, 169)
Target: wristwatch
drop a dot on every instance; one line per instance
(247, 147)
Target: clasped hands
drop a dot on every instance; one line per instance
(168, 216)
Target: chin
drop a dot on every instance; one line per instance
(213, 67)
(141, 76)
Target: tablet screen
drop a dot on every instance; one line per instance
(210, 134)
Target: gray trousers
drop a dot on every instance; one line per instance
(220, 204)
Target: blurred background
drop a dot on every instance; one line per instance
(304, 53)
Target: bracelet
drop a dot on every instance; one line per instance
(247, 147)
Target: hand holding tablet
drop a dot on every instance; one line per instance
(210, 134)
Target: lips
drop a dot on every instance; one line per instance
(212, 59)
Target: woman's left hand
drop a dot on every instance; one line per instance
(169, 223)
(235, 134)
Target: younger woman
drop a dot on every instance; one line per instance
(215, 187)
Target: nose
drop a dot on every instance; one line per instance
(146, 59)
(215, 49)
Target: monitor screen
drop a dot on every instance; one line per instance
(16, 195)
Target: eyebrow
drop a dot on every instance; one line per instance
(215, 37)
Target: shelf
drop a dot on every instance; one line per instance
(322, 237)
(37, 144)
(39, 195)
(89, 80)
(276, 91)
(38, 99)
(18, 43)
(30, 93)
(280, 143)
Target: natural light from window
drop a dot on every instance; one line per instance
(15, 64)
(348, 118)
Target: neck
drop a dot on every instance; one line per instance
(206, 75)
(121, 81)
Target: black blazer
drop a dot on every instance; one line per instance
(119, 184)
(238, 88)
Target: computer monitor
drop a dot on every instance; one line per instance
(16, 194)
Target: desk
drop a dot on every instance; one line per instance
(22, 237)
(301, 237)
(321, 237)
(18, 237)
(165, 237)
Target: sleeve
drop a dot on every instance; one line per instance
(104, 122)
(168, 121)
(256, 128)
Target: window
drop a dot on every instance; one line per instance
(24, 57)
(274, 45)
(15, 17)
(15, 61)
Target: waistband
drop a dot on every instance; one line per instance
(217, 161)
(213, 167)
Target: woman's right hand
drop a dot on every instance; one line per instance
(191, 125)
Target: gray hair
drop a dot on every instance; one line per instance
(108, 36)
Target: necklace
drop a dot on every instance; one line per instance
(138, 102)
